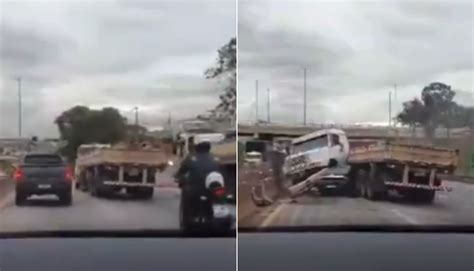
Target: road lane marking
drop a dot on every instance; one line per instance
(269, 220)
(442, 196)
(296, 215)
(406, 217)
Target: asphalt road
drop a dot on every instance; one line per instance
(449, 208)
(89, 213)
(118, 212)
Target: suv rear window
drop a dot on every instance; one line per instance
(43, 159)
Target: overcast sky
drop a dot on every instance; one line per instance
(354, 51)
(150, 54)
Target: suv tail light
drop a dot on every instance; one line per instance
(218, 192)
(69, 174)
(19, 175)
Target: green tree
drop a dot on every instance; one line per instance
(438, 100)
(414, 114)
(81, 125)
(225, 69)
(436, 108)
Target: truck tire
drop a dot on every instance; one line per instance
(146, 193)
(427, 196)
(360, 182)
(351, 189)
(420, 196)
(92, 189)
(372, 193)
(375, 189)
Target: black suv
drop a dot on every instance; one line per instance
(40, 174)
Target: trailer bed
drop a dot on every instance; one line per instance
(418, 155)
(225, 152)
(149, 158)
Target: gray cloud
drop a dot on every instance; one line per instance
(354, 52)
(150, 54)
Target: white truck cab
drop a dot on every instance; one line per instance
(312, 152)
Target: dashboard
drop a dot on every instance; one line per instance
(118, 254)
(356, 251)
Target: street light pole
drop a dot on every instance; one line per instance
(256, 101)
(19, 107)
(390, 109)
(136, 122)
(304, 102)
(268, 105)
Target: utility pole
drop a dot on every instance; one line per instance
(256, 101)
(136, 123)
(268, 105)
(395, 95)
(19, 107)
(304, 102)
(390, 109)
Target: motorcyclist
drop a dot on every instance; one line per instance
(192, 174)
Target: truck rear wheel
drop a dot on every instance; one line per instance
(140, 192)
(375, 189)
(372, 193)
(427, 196)
(420, 196)
(146, 193)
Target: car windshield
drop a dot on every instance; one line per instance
(379, 119)
(97, 101)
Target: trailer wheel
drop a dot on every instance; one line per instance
(375, 189)
(351, 188)
(427, 196)
(146, 193)
(360, 183)
(420, 196)
(372, 193)
(92, 190)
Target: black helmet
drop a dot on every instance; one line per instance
(203, 147)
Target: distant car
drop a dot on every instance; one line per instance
(40, 174)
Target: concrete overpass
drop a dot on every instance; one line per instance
(270, 131)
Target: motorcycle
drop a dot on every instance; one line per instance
(213, 212)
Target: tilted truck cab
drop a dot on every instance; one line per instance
(312, 152)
